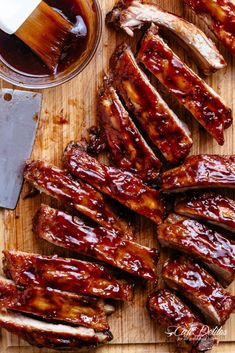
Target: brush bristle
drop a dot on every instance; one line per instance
(46, 33)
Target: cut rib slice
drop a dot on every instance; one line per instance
(128, 149)
(54, 305)
(210, 207)
(68, 275)
(220, 17)
(70, 232)
(171, 313)
(164, 128)
(190, 90)
(54, 336)
(201, 171)
(199, 241)
(131, 14)
(59, 184)
(193, 282)
(116, 183)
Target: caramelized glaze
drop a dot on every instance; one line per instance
(127, 147)
(188, 88)
(220, 16)
(54, 305)
(106, 245)
(209, 207)
(194, 238)
(193, 282)
(68, 275)
(119, 184)
(76, 193)
(201, 171)
(171, 313)
(161, 124)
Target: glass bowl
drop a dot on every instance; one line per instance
(20, 79)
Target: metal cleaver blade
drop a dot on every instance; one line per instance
(19, 115)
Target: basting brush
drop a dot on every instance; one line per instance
(38, 25)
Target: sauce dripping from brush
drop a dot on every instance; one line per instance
(19, 56)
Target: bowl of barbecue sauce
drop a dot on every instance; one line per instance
(21, 67)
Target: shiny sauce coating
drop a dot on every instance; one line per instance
(106, 245)
(69, 275)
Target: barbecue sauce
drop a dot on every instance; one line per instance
(17, 55)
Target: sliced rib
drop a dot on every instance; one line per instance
(54, 336)
(171, 313)
(164, 128)
(70, 232)
(219, 15)
(54, 305)
(201, 171)
(76, 193)
(199, 241)
(189, 89)
(69, 275)
(131, 14)
(193, 282)
(210, 207)
(116, 183)
(128, 149)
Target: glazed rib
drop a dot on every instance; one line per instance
(83, 197)
(68, 275)
(54, 336)
(193, 282)
(131, 14)
(199, 241)
(171, 313)
(219, 15)
(164, 128)
(128, 149)
(190, 90)
(54, 305)
(120, 185)
(70, 232)
(201, 171)
(210, 207)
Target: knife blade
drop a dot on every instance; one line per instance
(19, 115)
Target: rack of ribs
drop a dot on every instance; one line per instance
(166, 131)
(194, 238)
(131, 14)
(54, 336)
(209, 207)
(171, 313)
(193, 282)
(219, 15)
(59, 184)
(189, 89)
(116, 183)
(54, 305)
(70, 275)
(62, 229)
(128, 149)
(201, 171)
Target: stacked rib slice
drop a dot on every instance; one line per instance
(202, 259)
(60, 302)
(66, 296)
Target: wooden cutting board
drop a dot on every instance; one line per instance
(66, 114)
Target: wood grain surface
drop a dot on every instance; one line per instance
(67, 112)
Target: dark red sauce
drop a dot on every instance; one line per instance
(19, 56)
(223, 13)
